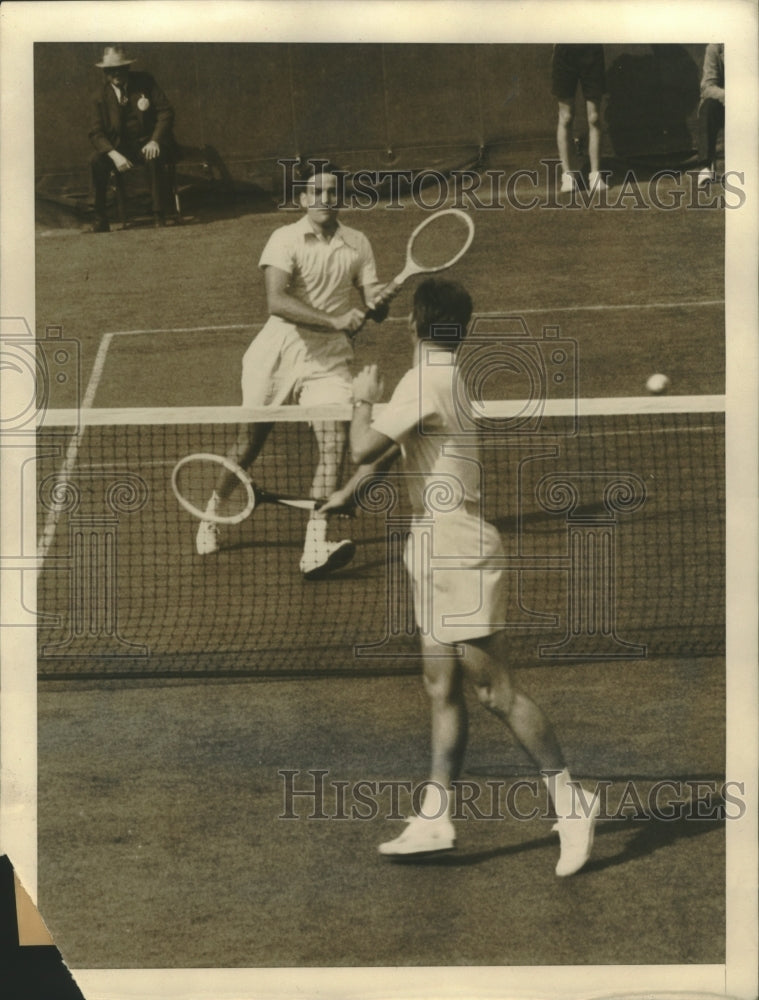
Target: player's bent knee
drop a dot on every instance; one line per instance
(566, 116)
(497, 698)
(441, 682)
(437, 690)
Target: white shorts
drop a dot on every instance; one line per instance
(285, 364)
(455, 604)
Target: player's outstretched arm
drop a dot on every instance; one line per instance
(343, 501)
(367, 444)
(375, 452)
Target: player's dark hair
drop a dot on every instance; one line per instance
(441, 311)
(314, 165)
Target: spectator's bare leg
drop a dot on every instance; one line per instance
(594, 135)
(564, 134)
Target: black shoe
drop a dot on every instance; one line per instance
(101, 226)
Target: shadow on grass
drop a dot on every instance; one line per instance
(652, 833)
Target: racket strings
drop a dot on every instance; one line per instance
(227, 506)
(208, 488)
(439, 242)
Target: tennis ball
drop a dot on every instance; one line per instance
(657, 384)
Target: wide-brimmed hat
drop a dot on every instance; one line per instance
(114, 56)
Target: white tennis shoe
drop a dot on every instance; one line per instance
(596, 182)
(576, 836)
(568, 182)
(208, 538)
(321, 558)
(422, 836)
(705, 177)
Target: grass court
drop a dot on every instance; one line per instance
(160, 842)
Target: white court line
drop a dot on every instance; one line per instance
(69, 461)
(687, 304)
(97, 371)
(181, 329)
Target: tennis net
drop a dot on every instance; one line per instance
(612, 514)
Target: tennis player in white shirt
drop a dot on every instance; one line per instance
(311, 271)
(456, 606)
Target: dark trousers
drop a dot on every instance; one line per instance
(711, 118)
(101, 166)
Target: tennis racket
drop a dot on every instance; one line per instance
(437, 243)
(195, 478)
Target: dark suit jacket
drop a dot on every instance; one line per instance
(155, 121)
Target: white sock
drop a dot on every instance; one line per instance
(561, 792)
(316, 530)
(436, 802)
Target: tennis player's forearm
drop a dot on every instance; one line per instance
(289, 308)
(359, 431)
(377, 468)
(379, 464)
(366, 444)
(386, 459)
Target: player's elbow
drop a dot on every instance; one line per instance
(358, 455)
(278, 305)
(274, 303)
(374, 449)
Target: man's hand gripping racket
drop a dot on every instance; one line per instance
(437, 243)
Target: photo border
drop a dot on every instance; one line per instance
(735, 22)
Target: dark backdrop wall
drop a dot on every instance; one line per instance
(374, 105)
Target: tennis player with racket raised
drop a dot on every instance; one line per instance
(302, 353)
(456, 606)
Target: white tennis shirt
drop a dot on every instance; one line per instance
(423, 418)
(464, 598)
(323, 272)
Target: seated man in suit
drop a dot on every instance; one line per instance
(131, 125)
